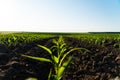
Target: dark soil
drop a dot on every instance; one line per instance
(102, 63)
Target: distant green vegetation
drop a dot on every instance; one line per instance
(13, 39)
(99, 39)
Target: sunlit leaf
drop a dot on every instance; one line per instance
(56, 59)
(64, 56)
(63, 68)
(31, 78)
(45, 48)
(37, 58)
(62, 45)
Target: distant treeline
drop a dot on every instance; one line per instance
(70, 33)
(104, 32)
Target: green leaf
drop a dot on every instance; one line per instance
(31, 78)
(62, 45)
(38, 58)
(64, 56)
(63, 68)
(45, 48)
(54, 41)
(50, 74)
(60, 39)
(56, 60)
(9, 40)
(62, 51)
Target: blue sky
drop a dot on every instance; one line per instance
(60, 15)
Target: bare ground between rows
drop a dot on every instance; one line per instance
(102, 63)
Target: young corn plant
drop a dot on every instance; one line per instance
(60, 60)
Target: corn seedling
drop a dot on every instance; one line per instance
(60, 61)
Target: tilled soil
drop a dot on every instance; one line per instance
(101, 63)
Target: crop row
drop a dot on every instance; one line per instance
(20, 38)
(99, 39)
(14, 39)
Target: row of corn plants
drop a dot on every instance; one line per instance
(14, 39)
(98, 39)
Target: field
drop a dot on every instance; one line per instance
(100, 59)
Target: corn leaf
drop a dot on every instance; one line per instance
(62, 45)
(50, 73)
(45, 48)
(63, 68)
(38, 58)
(62, 51)
(54, 41)
(56, 60)
(31, 78)
(64, 56)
